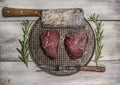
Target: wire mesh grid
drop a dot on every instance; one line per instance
(63, 60)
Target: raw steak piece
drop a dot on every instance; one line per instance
(75, 45)
(50, 41)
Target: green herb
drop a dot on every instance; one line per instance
(99, 37)
(24, 43)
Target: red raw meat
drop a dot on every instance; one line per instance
(50, 41)
(75, 45)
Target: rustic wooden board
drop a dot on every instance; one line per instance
(108, 9)
(15, 73)
(10, 32)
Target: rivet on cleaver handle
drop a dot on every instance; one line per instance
(17, 12)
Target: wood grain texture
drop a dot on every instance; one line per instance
(15, 73)
(10, 32)
(9, 35)
(15, 12)
(108, 9)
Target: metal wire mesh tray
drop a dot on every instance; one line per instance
(59, 65)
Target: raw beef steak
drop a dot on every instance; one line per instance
(50, 41)
(75, 45)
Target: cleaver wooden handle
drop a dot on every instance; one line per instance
(92, 68)
(17, 12)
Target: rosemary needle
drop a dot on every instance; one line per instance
(99, 37)
(23, 50)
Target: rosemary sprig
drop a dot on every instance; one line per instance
(24, 43)
(99, 37)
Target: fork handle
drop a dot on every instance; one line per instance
(92, 68)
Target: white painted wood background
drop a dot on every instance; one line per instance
(13, 72)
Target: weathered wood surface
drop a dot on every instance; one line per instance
(10, 32)
(15, 73)
(108, 9)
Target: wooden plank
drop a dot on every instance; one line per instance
(10, 32)
(9, 35)
(108, 9)
(110, 41)
(15, 73)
